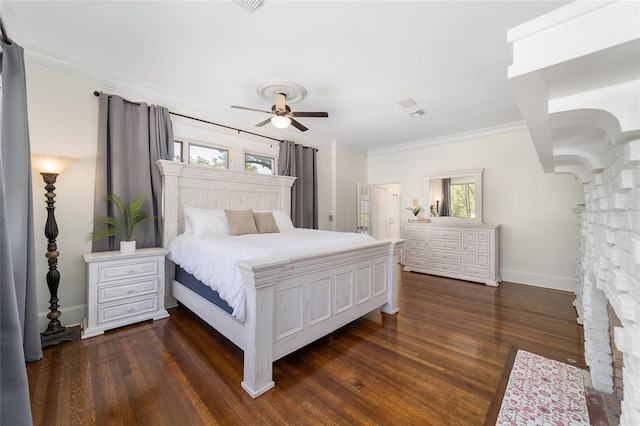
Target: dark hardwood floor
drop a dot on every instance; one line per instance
(441, 361)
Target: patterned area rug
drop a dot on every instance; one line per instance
(542, 391)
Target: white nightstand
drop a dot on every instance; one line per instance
(123, 289)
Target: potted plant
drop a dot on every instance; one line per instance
(416, 211)
(130, 217)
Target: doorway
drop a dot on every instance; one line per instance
(387, 211)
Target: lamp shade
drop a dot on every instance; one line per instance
(280, 122)
(47, 163)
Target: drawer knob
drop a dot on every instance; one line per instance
(129, 309)
(130, 290)
(130, 271)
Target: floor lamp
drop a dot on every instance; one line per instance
(50, 166)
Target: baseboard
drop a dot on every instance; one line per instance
(71, 316)
(554, 282)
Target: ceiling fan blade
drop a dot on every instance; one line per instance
(262, 123)
(309, 114)
(298, 126)
(250, 109)
(281, 99)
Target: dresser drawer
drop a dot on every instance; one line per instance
(445, 234)
(446, 267)
(476, 272)
(476, 259)
(477, 237)
(445, 255)
(417, 262)
(418, 251)
(445, 245)
(118, 271)
(418, 234)
(107, 293)
(111, 313)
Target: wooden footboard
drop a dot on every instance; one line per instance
(293, 302)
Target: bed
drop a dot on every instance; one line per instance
(290, 301)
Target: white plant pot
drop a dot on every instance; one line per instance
(127, 246)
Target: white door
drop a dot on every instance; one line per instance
(387, 211)
(381, 212)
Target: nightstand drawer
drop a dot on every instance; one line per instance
(111, 313)
(127, 270)
(107, 293)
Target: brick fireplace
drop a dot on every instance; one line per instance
(608, 295)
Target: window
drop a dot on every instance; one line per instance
(208, 156)
(177, 151)
(463, 199)
(259, 164)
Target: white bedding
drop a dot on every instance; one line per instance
(212, 258)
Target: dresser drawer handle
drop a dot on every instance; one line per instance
(130, 271)
(130, 290)
(129, 309)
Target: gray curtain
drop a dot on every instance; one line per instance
(131, 138)
(445, 209)
(19, 333)
(300, 161)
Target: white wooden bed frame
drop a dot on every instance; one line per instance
(290, 302)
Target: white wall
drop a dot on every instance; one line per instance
(351, 168)
(63, 120)
(537, 241)
(537, 235)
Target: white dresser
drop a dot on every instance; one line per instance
(463, 251)
(123, 289)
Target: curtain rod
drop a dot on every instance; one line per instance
(96, 93)
(5, 36)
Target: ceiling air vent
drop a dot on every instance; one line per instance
(407, 103)
(250, 5)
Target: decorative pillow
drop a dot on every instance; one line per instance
(283, 220)
(240, 222)
(205, 222)
(265, 222)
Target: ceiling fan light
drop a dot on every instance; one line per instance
(280, 122)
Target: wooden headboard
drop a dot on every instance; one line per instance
(211, 188)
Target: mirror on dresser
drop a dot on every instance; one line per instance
(454, 196)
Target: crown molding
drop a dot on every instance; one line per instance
(456, 137)
(140, 91)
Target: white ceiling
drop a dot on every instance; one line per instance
(356, 59)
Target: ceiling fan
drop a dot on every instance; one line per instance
(282, 115)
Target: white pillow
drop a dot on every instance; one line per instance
(187, 224)
(205, 222)
(283, 220)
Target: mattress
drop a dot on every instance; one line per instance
(203, 290)
(211, 259)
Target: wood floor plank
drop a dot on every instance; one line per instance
(441, 360)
